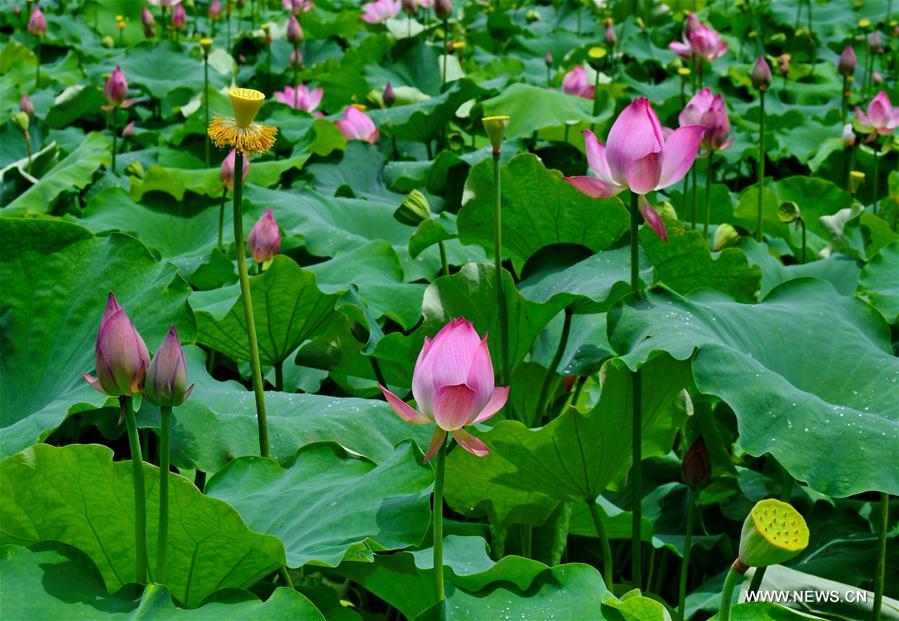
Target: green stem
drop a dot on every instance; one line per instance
(37, 74)
(553, 366)
(206, 100)
(761, 164)
(222, 215)
(845, 99)
(881, 555)
(443, 260)
(596, 92)
(727, 593)
(802, 224)
(875, 196)
(279, 376)
(240, 245)
(438, 522)
(708, 192)
(164, 441)
(115, 132)
(693, 199)
(296, 67)
(685, 565)
(140, 501)
(445, 51)
(637, 413)
(607, 573)
(498, 264)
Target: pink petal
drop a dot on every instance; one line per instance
(879, 110)
(94, 382)
(635, 133)
(864, 123)
(653, 219)
(402, 409)
(436, 443)
(470, 443)
(496, 403)
(422, 380)
(679, 153)
(450, 355)
(596, 157)
(643, 174)
(480, 374)
(591, 186)
(681, 49)
(455, 406)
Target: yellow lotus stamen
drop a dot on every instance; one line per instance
(597, 53)
(257, 138)
(359, 106)
(206, 43)
(246, 103)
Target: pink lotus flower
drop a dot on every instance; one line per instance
(165, 3)
(709, 111)
(25, 105)
(129, 130)
(699, 41)
(120, 356)
(355, 125)
(881, 118)
(37, 25)
(116, 88)
(637, 156)
(215, 9)
(265, 238)
(575, 83)
(453, 387)
(380, 10)
(226, 174)
(848, 61)
(301, 97)
(179, 17)
(294, 30)
(166, 381)
(297, 6)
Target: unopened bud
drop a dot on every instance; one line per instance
(725, 236)
(414, 209)
(856, 181)
(495, 126)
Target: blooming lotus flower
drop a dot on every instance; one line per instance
(355, 125)
(37, 25)
(165, 3)
(297, 6)
(575, 83)
(880, 118)
(116, 88)
(265, 239)
(294, 30)
(226, 174)
(166, 381)
(699, 41)
(301, 98)
(120, 356)
(215, 10)
(761, 74)
(709, 111)
(25, 105)
(637, 156)
(179, 17)
(380, 10)
(848, 61)
(453, 387)
(242, 131)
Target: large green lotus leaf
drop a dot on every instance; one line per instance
(684, 264)
(357, 174)
(153, 64)
(805, 371)
(288, 308)
(839, 270)
(533, 108)
(55, 278)
(879, 282)
(218, 422)
(77, 495)
(329, 505)
(75, 171)
(55, 581)
(539, 209)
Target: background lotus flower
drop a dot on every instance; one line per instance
(294, 30)
(166, 381)
(453, 387)
(179, 17)
(696, 468)
(120, 356)
(636, 156)
(37, 25)
(297, 6)
(355, 125)
(301, 98)
(165, 3)
(610, 37)
(443, 8)
(699, 41)
(380, 10)
(265, 238)
(761, 74)
(708, 110)
(848, 137)
(575, 83)
(389, 95)
(25, 105)
(215, 9)
(116, 88)
(848, 61)
(879, 118)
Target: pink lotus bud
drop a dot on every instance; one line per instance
(37, 25)
(389, 96)
(443, 9)
(120, 356)
(697, 465)
(355, 125)
(847, 62)
(610, 37)
(226, 174)
(296, 58)
(876, 77)
(761, 74)
(653, 219)
(453, 385)
(637, 156)
(166, 381)
(25, 105)
(265, 239)
(215, 10)
(548, 59)
(116, 88)
(128, 132)
(380, 10)
(146, 18)
(875, 43)
(880, 117)
(848, 136)
(179, 17)
(691, 24)
(783, 64)
(294, 30)
(575, 83)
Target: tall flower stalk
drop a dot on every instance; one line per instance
(444, 9)
(37, 25)
(206, 44)
(880, 570)
(246, 137)
(695, 471)
(761, 79)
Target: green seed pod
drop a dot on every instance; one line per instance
(414, 210)
(773, 532)
(725, 235)
(788, 212)
(495, 126)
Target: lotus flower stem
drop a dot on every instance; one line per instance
(557, 359)
(874, 187)
(607, 573)
(637, 412)
(727, 592)
(685, 565)
(880, 574)
(279, 376)
(443, 259)
(761, 166)
(708, 192)
(446, 52)
(37, 54)
(845, 99)
(140, 509)
(165, 413)
(241, 250)
(802, 224)
(438, 521)
(693, 199)
(296, 82)
(206, 101)
(115, 132)
(222, 215)
(498, 264)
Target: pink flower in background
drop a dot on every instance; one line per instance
(355, 125)
(226, 174)
(297, 6)
(575, 83)
(116, 88)
(120, 355)
(848, 61)
(165, 3)
(301, 97)
(129, 130)
(294, 30)
(265, 238)
(699, 41)
(881, 118)
(37, 25)
(709, 111)
(380, 10)
(453, 385)
(179, 17)
(637, 156)
(25, 105)
(652, 218)
(215, 9)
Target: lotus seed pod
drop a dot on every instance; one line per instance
(414, 210)
(725, 236)
(788, 212)
(856, 180)
(495, 126)
(773, 532)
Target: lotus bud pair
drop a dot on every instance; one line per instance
(710, 111)
(265, 238)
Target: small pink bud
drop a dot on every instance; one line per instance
(847, 62)
(215, 9)
(116, 88)
(166, 381)
(761, 74)
(179, 17)
(875, 43)
(265, 239)
(120, 356)
(25, 105)
(443, 8)
(610, 36)
(653, 219)
(37, 25)
(296, 58)
(783, 64)
(226, 174)
(294, 30)
(389, 96)
(128, 132)
(697, 465)
(146, 17)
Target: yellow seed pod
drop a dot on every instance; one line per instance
(864, 23)
(856, 180)
(683, 72)
(495, 126)
(773, 532)
(597, 53)
(246, 103)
